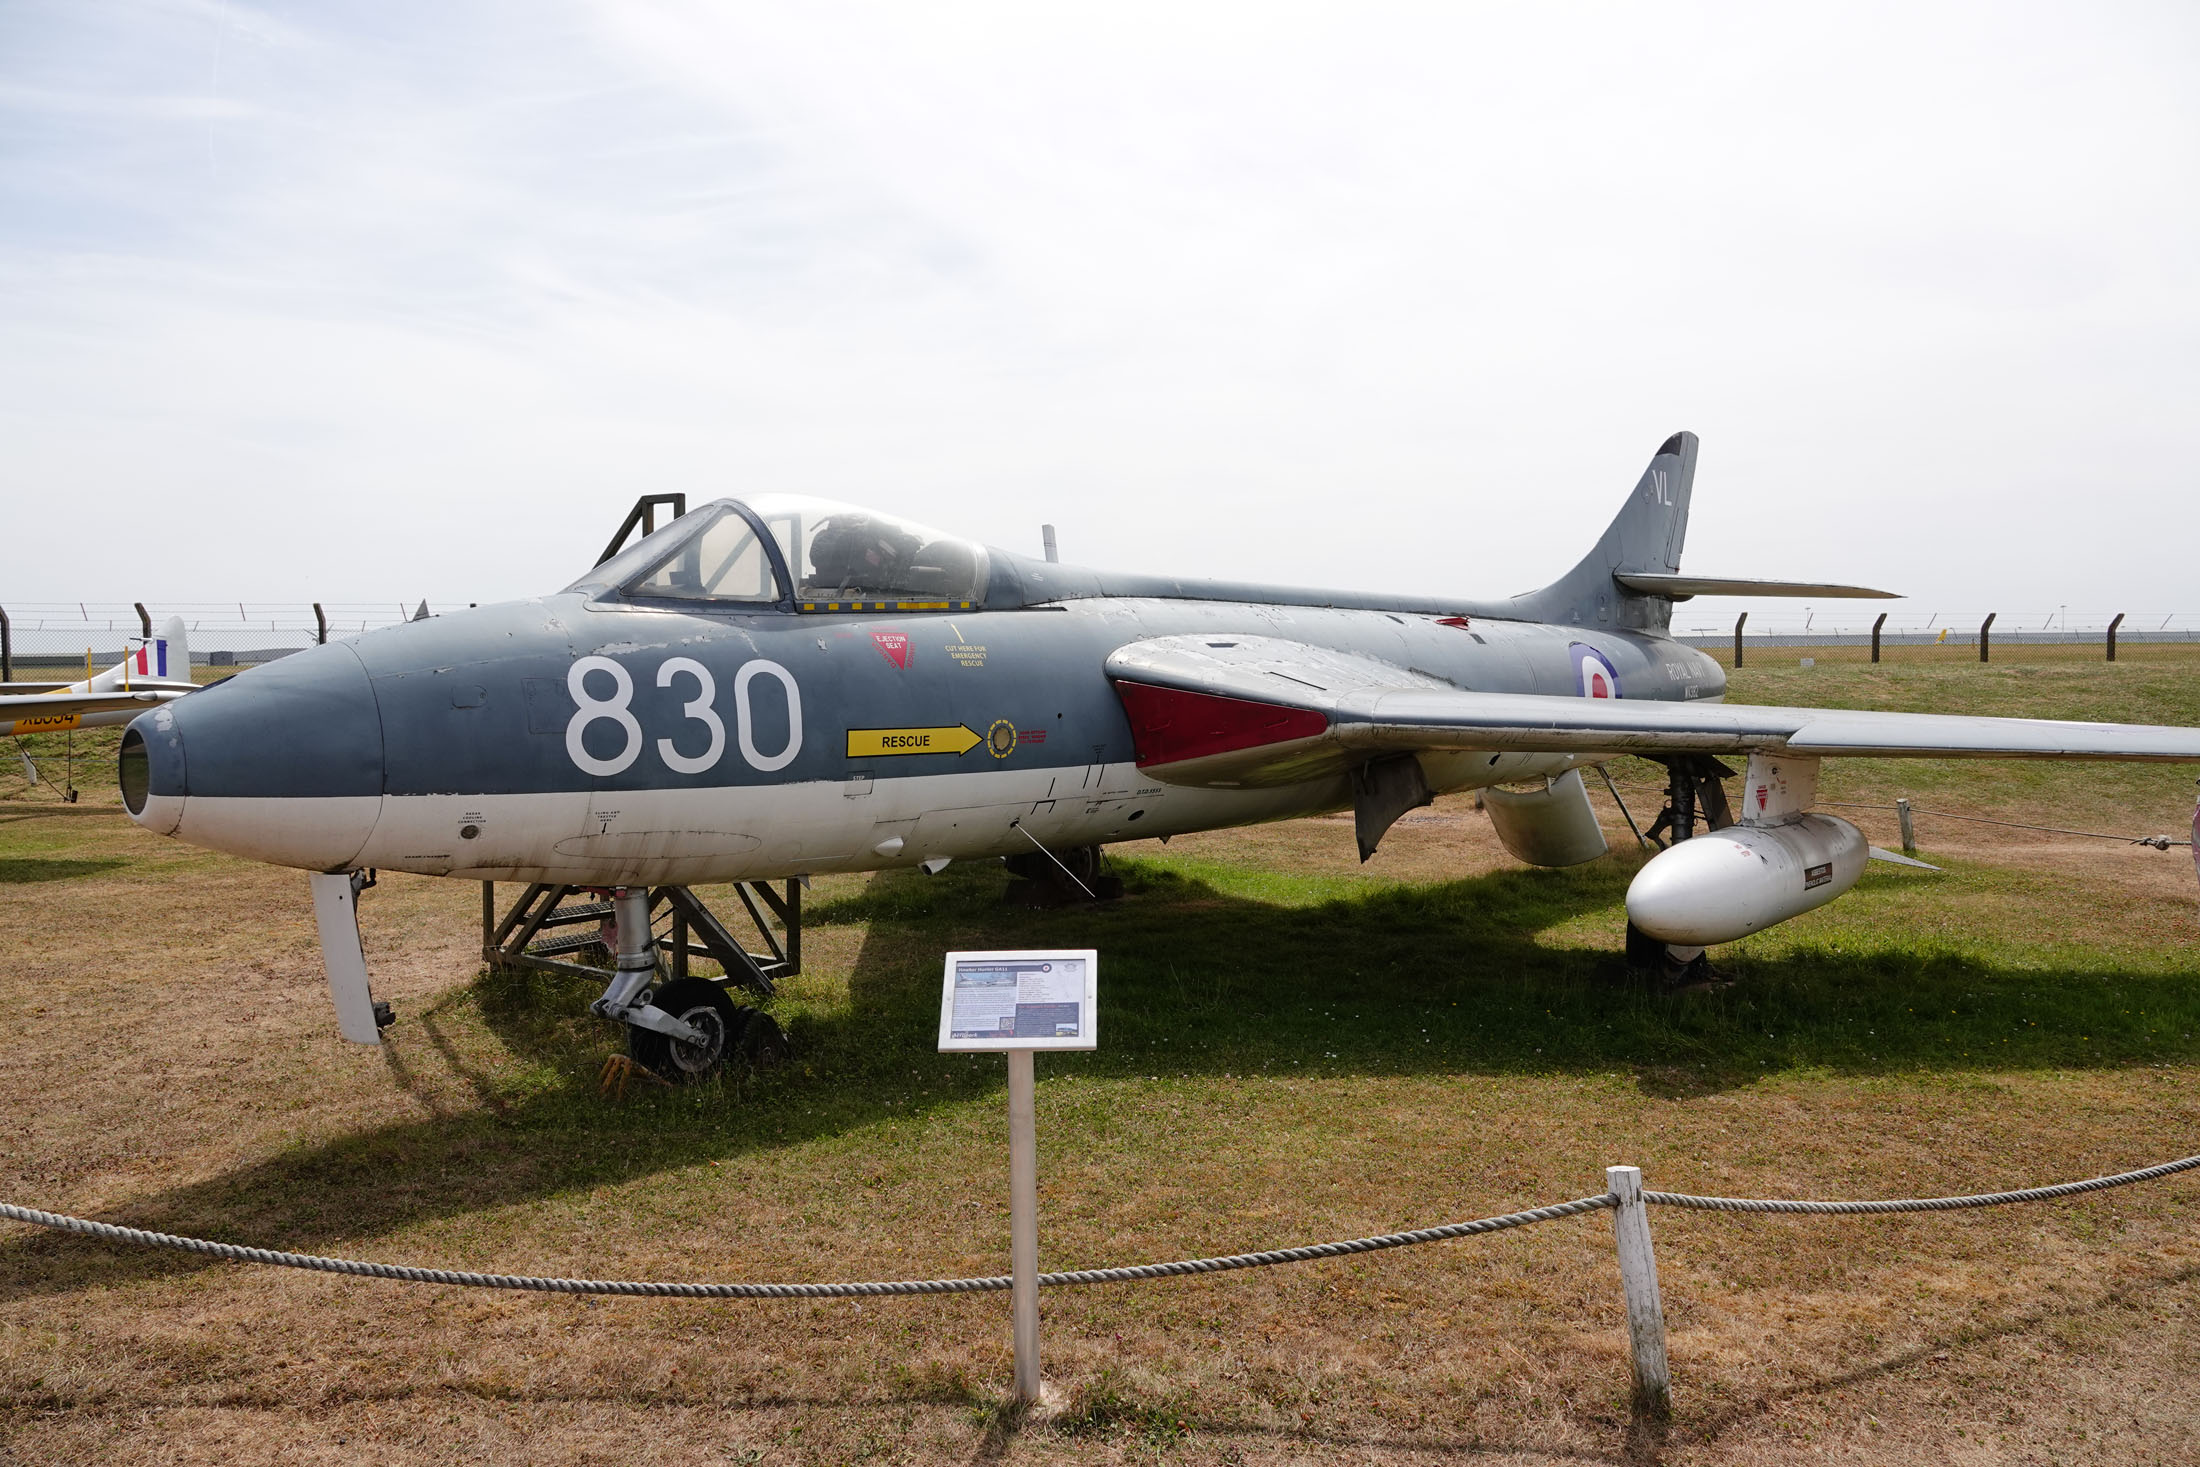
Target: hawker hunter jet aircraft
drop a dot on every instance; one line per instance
(154, 671)
(778, 686)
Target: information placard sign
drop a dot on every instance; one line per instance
(1021, 1000)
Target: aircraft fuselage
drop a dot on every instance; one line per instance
(583, 740)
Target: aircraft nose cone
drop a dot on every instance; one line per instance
(150, 770)
(281, 763)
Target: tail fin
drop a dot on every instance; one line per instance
(162, 659)
(1645, 539)
(171, 651)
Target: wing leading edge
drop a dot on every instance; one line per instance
(1248, 711)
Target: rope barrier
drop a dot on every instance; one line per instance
(1919, 1204)
(2158, 842)
(632, 1288)
(640, 1288)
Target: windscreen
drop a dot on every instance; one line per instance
(725, 562)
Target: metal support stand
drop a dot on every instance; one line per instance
(1023, 1222)
(545, 926)
(1638, 1278)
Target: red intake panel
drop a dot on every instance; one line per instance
(1170, 727)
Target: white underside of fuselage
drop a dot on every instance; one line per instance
(758, 832)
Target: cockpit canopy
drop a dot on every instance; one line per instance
(835, 554)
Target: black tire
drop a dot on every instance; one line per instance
(762, 1043)
(1644, 951)
(704, 1005)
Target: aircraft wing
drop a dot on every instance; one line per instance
(1231, 711)
(52, 712)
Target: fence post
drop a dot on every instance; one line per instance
(1875, 634)
(145, 619)
(320, 620)
(7, 649)
(1985, 634)
(1738, 637)
(2119, 621)
(1638, 1278)
(1909, 835)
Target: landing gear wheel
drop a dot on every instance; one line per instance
(704, 1006)
(1695, 973)
(1644, 951)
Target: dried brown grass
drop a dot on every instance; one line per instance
(170, 1063)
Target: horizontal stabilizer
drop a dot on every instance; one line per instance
(1680, 588)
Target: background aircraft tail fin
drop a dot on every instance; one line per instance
(1645, 540)
(170, 652)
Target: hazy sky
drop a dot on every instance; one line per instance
(381, 301)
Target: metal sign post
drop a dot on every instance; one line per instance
(1021, 1002)
(1023, 1220)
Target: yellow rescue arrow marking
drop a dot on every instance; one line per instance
(870, 743)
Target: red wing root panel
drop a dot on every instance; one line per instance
(1170, 726)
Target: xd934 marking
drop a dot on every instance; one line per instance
(616, 710)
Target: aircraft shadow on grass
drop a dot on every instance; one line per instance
(1446, 978)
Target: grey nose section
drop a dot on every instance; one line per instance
(301, 728)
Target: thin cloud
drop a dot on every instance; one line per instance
(1396, 297)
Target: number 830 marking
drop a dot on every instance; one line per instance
(616, 709)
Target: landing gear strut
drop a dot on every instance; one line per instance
(1692, 787)
(1692, 784)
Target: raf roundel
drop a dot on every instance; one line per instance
(1594, 674)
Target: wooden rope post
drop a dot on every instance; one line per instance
(1638, 1279)
(1909, 833)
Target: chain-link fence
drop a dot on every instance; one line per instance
(44, 639)
(1849, 624)
(47, 639)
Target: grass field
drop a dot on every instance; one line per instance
(1295, 1048)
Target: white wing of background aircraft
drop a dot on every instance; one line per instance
(154, 671)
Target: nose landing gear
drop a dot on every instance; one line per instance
(680, 1028)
